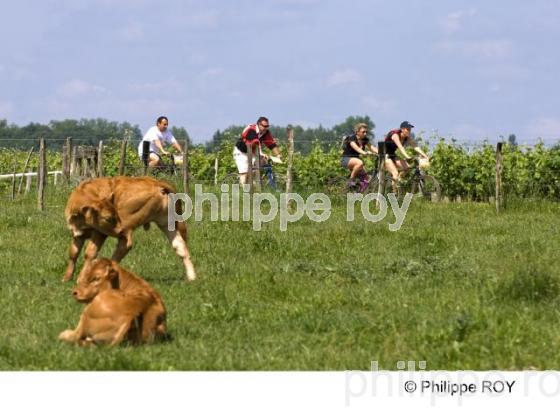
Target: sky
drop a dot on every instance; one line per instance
(469, 69)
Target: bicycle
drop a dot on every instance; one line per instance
(269, 180)
(421, 184)
(368, 183)
(167, 166)
(418, 183)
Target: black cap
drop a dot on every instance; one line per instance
(406, 124)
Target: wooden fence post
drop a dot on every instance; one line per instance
(216, 170)
(499, 167)
(258, 168)
(14, 180)
(74, 167)
(42, 175)
(145, 155)
(249, 179)
(100, 159)
(289, 175)
(85, 162)
(381, 168)
(27, 183)
(67, 159)
(186, 167)
(24, 169)
(123, 155)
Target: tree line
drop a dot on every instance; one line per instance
(91, 131)
(83, 131)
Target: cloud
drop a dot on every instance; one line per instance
(79, 88)
(202, 20)
(453, 22)
(132, 32)
(502, 72)
(492, 48)
(378, 105)
(213, 71)
(343, 77)
(157, 87)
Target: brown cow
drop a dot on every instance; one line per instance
(110, 318)
(104, 207)
(120, 306)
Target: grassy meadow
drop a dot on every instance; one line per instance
(457, 286)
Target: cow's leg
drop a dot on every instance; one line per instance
(96, 241)
(75, 249)
(121, 333)
(153, 325)
(74, 336)
(180, 246)
(123, 247)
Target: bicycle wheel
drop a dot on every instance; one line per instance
(277, 184)
(426, 187)
(230, 179)
(338, 186)
(387, 188)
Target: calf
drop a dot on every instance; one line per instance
(104, 207)
(111, 318)
(120, 306)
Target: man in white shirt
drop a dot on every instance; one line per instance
(158, 136)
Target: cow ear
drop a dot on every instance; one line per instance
(88, 211)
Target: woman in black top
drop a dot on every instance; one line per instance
(355, 145)
(397, 140)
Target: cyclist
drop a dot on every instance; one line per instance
(355, 145)
(397, 139)
(253, 134)
(158, 135)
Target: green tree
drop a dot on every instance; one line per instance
(347, 127)
(512, 140)
(180, 134)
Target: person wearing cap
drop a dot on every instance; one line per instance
(397, 139)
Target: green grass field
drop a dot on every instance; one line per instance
(457, 286)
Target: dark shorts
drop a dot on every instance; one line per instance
(392, 158)
(344, 161)
(391, 149)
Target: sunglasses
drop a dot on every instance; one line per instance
(264, 126)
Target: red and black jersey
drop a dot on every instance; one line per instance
(251, 136)
(390, 146)
(389, 136)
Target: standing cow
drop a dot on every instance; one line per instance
(104, 207)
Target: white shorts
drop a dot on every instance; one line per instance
(241, 160)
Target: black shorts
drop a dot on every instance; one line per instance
(345, 160)
(145, 157)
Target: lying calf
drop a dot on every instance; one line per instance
(111, 318)
(120, 306)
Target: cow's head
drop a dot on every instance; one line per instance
(102, 275)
